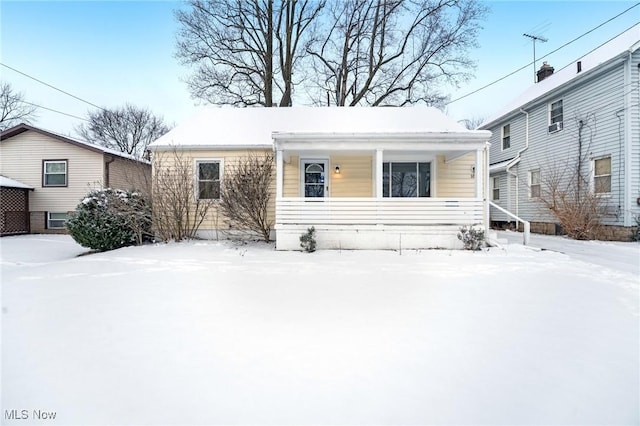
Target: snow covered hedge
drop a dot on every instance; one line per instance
(110, 218)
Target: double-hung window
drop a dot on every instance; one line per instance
(534, 184)
(556, 116)
(496, 188)
(208, 179)
(602, 175)
(506, 136)
(54, 173)
(406, 179)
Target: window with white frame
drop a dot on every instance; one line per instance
(506, 136)
(54, 173)
(208, 179)
(495, 188)
(534, 183)
(406, 179)
(602, 175)
(56, 220)
(556, 116)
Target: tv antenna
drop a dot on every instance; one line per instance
(535, 38)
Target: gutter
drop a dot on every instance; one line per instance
(515, 161)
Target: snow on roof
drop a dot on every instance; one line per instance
(10, 183)
(628, 41)
(25, 127)
(254, 127)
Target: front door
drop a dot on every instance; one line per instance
(315, 178)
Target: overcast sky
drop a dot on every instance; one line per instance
(113, 52)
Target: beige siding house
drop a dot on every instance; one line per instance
(62, 171)
(379, 178)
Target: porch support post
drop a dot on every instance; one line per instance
(378, 174)
(484, 178)
(279, 173)
(479, 173)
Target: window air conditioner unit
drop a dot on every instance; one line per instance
(555, 127)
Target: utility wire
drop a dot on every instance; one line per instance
(554, 51)
(54, 110)
(51, 86)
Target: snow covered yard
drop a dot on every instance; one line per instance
(217, 333)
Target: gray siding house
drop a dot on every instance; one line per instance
(584, 117)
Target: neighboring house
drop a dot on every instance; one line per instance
(14, 207)
(59, 171)
(583, 117)
(363, 177)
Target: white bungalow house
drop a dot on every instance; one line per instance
(383, 178)
(584, 117)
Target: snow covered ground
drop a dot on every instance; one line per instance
(219, 333)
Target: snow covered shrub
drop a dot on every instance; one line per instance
(472, 239)
(110, 218)
(308, 240)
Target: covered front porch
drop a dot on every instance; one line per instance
(379, 191)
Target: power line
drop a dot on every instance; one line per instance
(54, 110)
(550, 53)
(51, 86)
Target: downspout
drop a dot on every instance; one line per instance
(515, 161)
(106, 171)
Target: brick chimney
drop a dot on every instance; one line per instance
(545, 71)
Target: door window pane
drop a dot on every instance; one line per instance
(314, 180)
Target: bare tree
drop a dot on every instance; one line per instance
(473, 122)
(565, 188)
(244, 52)
(127, 129)
(246, 194)
(13, 109)
(394, 52)
(177, 212)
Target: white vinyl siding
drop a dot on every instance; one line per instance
(595, 101)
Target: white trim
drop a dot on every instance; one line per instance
(494, 187)
(502, 148)
(327, 174)
(549, 109)
(379, 160)
(56, 227)
(593, 176)
(196, 180)
(530, 183)
(279, 174)
(44, 173)
(478, 173)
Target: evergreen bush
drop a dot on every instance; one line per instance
(472, 239)
(308, 240)
(110, 218)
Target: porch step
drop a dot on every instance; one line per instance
(493, 240)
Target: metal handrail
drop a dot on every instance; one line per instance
(527, 225)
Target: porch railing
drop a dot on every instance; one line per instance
(376, 211)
